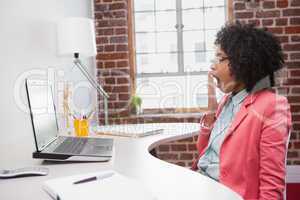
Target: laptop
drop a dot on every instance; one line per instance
(49, 144)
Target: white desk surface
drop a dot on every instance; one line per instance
(131, 157)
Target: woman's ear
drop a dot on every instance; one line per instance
(231, 71)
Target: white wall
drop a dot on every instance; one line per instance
(27, 42)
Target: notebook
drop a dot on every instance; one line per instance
(129, 130)
(112, 187)
(49, 144)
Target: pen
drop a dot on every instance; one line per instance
(74, 117)
(90, 114)
(94, 178)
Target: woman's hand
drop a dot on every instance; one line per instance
(209, 118)
(211, 91)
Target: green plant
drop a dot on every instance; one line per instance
(136, 101)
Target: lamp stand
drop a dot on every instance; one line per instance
(98, 87)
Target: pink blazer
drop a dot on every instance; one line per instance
(252, 156)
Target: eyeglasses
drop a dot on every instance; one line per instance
(218, 60)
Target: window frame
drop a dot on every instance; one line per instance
(228, 6)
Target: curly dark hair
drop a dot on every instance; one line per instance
(253, 53)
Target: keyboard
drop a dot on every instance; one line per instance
(71, 145)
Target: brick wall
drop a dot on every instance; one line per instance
(181, 152)
(113, 68)
(282, 17)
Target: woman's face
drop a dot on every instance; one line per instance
(220, 70)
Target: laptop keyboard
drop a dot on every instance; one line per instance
(71, 145)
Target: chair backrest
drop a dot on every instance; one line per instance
(287, 148)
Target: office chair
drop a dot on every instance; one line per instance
(287, 148)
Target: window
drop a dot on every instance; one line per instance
(174, 46)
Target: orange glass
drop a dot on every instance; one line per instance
(81, 127)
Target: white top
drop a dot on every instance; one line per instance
(131, 158)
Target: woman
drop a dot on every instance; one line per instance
(243, 144)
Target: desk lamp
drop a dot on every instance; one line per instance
(76, 36)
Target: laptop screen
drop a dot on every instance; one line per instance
(42, 110)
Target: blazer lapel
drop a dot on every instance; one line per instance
(220, 107)
(242, 113)
(238, 119)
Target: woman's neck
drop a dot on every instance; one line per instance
(239, 87)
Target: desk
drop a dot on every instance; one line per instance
(131, 157)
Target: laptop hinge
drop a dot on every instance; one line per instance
(46, 145)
